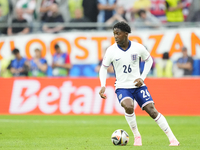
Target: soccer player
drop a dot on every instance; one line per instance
(124, 56)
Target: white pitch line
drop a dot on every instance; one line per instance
(43, 121)
(60, 121)
(92, 122)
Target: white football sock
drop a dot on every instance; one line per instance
(131, 119)
(162, 122)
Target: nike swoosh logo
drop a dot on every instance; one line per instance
(118, 59)
(147, 99)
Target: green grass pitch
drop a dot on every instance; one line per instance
(92, 133)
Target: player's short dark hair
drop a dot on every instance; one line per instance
(165, 55)
(123, 26)
(15, 51)
(56, 46)
(141, 11)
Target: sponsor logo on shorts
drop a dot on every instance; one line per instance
(120, 96)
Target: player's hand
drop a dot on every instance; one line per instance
(138, 82)
(101, 93)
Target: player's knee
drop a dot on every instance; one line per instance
(129, 109)
(153, 113)
(128, 105)
(150, 109)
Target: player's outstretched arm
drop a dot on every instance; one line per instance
(102, 76)
(148, 64)
(101, 92)
(147, 67)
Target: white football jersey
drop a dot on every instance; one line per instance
(126, 63)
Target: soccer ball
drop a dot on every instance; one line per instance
(120, 137)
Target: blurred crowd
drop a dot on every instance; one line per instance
(21, 15)
(62, 67)
(149, 13)
(37, 66)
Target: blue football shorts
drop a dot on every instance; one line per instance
(141, 95)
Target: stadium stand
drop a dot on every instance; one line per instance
(28, 17)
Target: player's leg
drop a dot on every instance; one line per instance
(145, 101)
(128, 105)
(125, 97)
(162, 122)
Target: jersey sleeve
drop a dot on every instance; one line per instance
(44, 61)
(144, 53)
(107, 59)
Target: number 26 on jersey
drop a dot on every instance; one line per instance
(127, 69)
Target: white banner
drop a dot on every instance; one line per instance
(87, 47)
